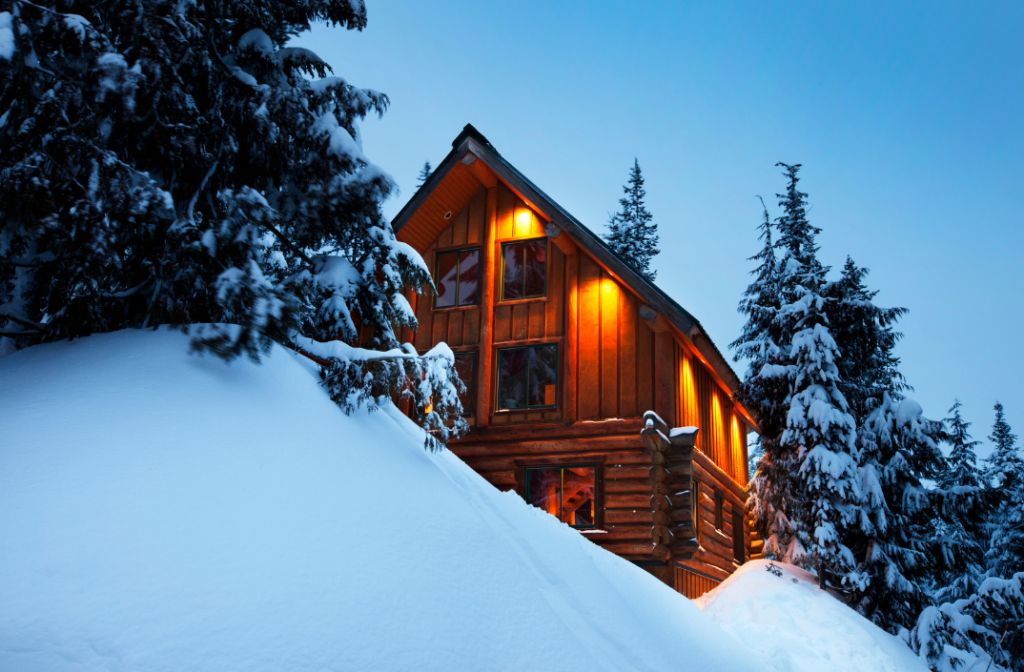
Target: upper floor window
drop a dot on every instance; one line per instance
(528, 377)
(524, 269)
(457, 278)
(567, 493)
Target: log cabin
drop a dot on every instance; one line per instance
(577, 369)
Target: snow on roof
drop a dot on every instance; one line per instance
(162, 511)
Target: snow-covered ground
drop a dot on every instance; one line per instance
(796, 627)
(163, 511)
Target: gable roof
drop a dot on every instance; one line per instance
(472, 141)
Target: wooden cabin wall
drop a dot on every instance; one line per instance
(716, 556)
(624, 517)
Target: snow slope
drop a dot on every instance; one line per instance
(796, 627)
(161, 511)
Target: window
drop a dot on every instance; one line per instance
(524, 269)
(457, 278)
(565, 492)
(465, 366)
(719, 517)
(528, 377)
(695, 507)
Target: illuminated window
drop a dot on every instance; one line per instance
(567, 493)
(528, 377)
(465, 366)
(457, 278)
(524, 269)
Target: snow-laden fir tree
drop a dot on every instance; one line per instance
(632, 232)
(866, 336)
(176, 163)
(818, 425)
(982, 632)
(959, 529)
(762, 343)
(425, 171)
(900, 449)
(1005, 471)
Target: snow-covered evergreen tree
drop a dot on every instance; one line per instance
(1005, 471)
(632, 232)
(763, 344)
(425, 171)
(818, 424)
(984, 631)
(866, 336)
(895, 549)
(172, 163)
(960, 530)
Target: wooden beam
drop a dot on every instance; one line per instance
(483, 393)
(560, 238)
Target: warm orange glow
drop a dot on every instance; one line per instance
(689, 396)
(736, 445)
(524, 218)
(428, 409)
(717, 430)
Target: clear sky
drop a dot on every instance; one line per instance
(907, 117)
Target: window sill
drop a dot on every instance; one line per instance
(589, 531)
(516, 302)
(437, 309)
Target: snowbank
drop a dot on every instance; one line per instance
(796, 627)
(161, 511)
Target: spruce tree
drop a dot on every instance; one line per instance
(762, 343)
(818, 425)
(425, 171)
(865, 334)
(896, 549)
(1005, 471)
(632, 232)
(960, 532)
(176, 163)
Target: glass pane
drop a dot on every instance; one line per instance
(544, 375)
(545, 490)
(447, 270)
(464, 367)
(468, 276)
(536, 267)
(578, 496)
(512, 378)
(512, 280)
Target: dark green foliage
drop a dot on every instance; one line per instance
(632, 233)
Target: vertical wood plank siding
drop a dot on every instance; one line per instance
(691, 584)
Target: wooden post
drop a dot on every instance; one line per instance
(572, 264)
(483, 392)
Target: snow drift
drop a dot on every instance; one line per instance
(162, 511)
(794, 626)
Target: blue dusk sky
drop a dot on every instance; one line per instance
(908, 119)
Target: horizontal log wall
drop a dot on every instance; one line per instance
(624, 514)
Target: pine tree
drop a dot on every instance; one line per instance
(1005, 470)
(959, 528)
(425, 171)
(984, 631)
(895, 548)
(818, 424)
(175, 163)
(866, 335)
(632, 233)
(763, 344)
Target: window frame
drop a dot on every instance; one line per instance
(479, 280)
(562, 467)
(497, 377)
(471, 383)
(501, 270)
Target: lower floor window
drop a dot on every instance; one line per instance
(528, 377)
(465, 365)
(568, 493)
